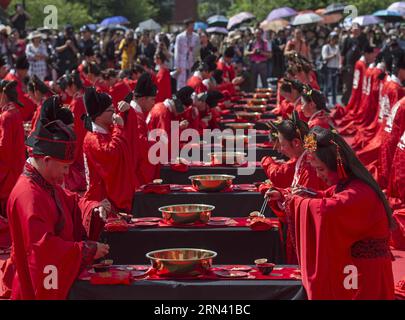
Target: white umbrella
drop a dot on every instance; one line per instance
(149, 25)
(366, 20)
(306, 18)
(397, 6)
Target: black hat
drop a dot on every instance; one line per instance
(53, 139)
(10, 90)
(52, 109)
(96, 102)
(229, 52)
(38, 84)
(213, 97)
(145, 86)
(3, 61)
(211, 62)
(22, 63)
(184, 95)
(73, 77)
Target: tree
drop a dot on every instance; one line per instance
(67, 12)
(208, 8)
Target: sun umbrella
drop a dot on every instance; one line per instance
(275, 25)
(334, 8)
(331, 18)
(397, 6)
(112, 27)
(114, 20)
(279, 13)
(366, 20)
(387, 15)
(217, 21)
(217, 30)
(240, 18)
(149, 25)
(200, 25)
(306, 18)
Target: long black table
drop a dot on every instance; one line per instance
(190, 290)
(234, 245)
(174, 177)
(227, 204)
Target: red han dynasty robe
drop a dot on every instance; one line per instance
(164, 85)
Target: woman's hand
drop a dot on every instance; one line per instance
(273, 195)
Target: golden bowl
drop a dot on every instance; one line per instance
(186, 213)
(257, 102)
(234, 140)
(181, 261)
(247, 115)
(211, 182)
(259, 108)
(264, 90)
(227, 157)
(242, 125)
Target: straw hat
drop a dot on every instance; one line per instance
(6, 29)
(35, 34)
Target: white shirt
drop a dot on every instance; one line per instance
(328, 50)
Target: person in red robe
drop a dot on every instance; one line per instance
(134, 115)
(290, 90)
(94, 77)
(50, 226)
(297, 172)
(314, 108)
(392, 92)
(12, 147)
(340, 113)
(396, 183)
(225, 65)
(108, 157)
(341, 234)
(204, 104)
(38, 91)
(19, 75)
(163, 79)
(200, 80)
(118, 89)
(390, 137)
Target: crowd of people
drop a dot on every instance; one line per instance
(74, 143)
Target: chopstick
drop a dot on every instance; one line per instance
(263, 209)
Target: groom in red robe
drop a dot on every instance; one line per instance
(47, 223)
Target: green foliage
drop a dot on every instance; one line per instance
(208, 8)
(68, 12)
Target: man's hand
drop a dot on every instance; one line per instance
(117, 119)
(123, 106)
(184, 124)
(102, 250)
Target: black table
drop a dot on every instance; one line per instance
(258, 125)
(174, 177)
(190, 290)
(234, 245)
(227, 204)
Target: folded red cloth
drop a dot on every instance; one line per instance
(156, 188)
(111, 277)
(179, 167)
(262, 224)
(225, 112)
(264, 145)
(116, 226)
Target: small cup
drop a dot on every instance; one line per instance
(265, 268)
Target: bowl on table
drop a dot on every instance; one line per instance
(257, 102)
(211, 182)
(186, 213)
(244, 115)
(181, 261)
(227, 157)
(265, 268)
(256, 108)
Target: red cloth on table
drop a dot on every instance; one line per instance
(156, 188)
(110, 167)
(164, 85)
(326, 230)
(12, 151)
(111, 277)
(46, 231)
(391, 135)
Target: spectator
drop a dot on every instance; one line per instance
(86, 43)
(127, 50)
(37, 55)
(331, 58)
(207, 47)
(298, 44)
(19, 19)
(66, 51)
(146, 47)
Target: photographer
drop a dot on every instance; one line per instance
(259, 52)
(19, 19)
(66, 51)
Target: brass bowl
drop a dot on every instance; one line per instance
(181, 261)
(186, 213)
(211, 182)
(257, 102)
(258, 108)
(242, 125)
(234, 140)
(247, 115)
(264, 90)
(227, 157)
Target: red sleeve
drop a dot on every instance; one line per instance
(280, 174)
